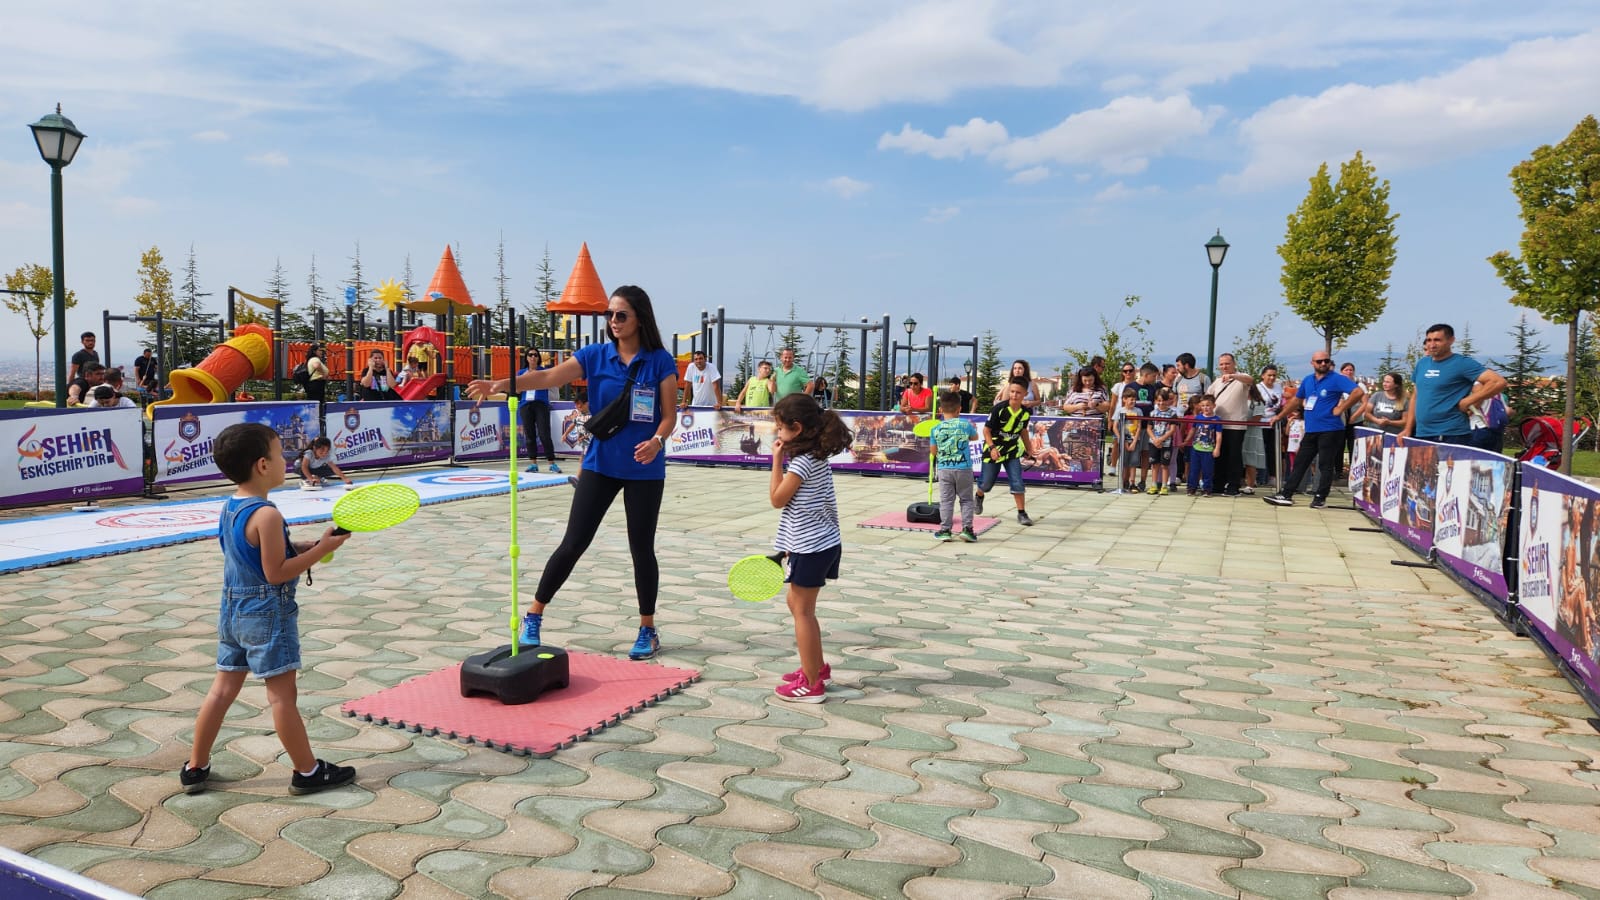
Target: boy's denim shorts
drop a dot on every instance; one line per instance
(258, 630)
(991, 474)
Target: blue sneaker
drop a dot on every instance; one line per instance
(532, 468)
(555, 468)
(530, 629)
(646, 645)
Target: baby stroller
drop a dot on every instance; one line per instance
(1541, 438)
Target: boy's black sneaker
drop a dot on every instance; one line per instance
(1022, 517)
(1278, 500)
(977, 505)
(193, 780)
(327, 775)
(1319, 502)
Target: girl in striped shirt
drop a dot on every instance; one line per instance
(808, 528)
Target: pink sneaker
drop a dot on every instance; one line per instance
(797, 674)
(801, 692)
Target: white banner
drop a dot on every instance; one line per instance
(71, 454)
(480, 432)
(387, 433)
(183, 435)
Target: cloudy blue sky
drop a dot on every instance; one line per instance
(1019, 166)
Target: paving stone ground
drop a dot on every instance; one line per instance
(1137, 697)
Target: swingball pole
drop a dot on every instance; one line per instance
(516, 551)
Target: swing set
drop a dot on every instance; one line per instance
(714, 328)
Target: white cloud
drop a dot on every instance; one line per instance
(1120, 137)
(940, 214)
(210, 137)
(977, 137)
(1532, 88)
(1120, 191)
(1030, 176)
(847, 187)
(272, 159)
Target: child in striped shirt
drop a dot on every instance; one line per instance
(808, 528)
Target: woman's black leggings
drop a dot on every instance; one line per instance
(641, 500)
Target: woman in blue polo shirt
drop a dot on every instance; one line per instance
(633, 462)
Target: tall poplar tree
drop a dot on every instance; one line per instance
(1338, 252)
(1558, 273)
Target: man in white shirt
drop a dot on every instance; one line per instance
(702, 383)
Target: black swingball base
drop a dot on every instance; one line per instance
(514, 680)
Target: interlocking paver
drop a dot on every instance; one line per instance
(1027, 717)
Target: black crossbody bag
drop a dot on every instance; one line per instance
(605, 424)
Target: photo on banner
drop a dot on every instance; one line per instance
(384, 433)
(885, 442)
(1472, 508)
(1410, 487)
(480, 432)
(183, 435)
(1559, 570)
(1366, 471)
(1062, 449)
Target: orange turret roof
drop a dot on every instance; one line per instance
(446, 282)
(583, 294)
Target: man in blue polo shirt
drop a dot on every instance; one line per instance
(1324, 395)
(1447, 385)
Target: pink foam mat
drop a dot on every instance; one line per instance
(896, 521)
(603, 691)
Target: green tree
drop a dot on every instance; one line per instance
(842, 375)
(1558, 273)
(872, 396)
(1389, 363)
(1256, 350)
(155, 297)
(1464, 344)
(791, 339)
(37, 309)
(364, 305)
(317, 301)
(193, 345)
(295, 326)
(990, 368)
(1523, 370)
(540, 328)
(1119, 343)
(1338, 251)
(1586, 386)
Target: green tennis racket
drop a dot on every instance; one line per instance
(374, 507)
(756, 579)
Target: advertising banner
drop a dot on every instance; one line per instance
(1060, 449)
(1366, 472)
(389, 432)
(1410, 486)
(1557, 581)
(1470, 514)
(71, 454)
(480, 432)
(182, 435)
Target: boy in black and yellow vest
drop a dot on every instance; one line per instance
(1003, 447)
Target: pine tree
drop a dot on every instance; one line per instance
(37, 309)
(873, 397)
(842, 378)
(502, 295)
(540, 329)
(1523, 370)
(1464, 344)
(155, 297)
(364, 304)
(791, 339)
(193, 345)
(746, 368)
(1586, 391)
(1558, 273)
(317, 299)
(990, 368)
(408, 283)
(295, 326)
(1338, 252)
(1389, 363)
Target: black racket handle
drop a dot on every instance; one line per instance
(338, 530)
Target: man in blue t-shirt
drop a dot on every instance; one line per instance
(1323, 397)
(1447, 385)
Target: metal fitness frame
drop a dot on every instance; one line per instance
(160, 322)
(721, 321)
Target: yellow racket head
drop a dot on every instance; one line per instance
(924, 428)
(374, 507)
(756, 579)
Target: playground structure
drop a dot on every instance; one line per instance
(494, 343)
(246, 355)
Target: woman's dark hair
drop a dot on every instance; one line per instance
(822, 432)
(649, 331)
(1027, 370)
(314, 350)
(1080, 375)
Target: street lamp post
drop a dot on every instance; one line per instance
(910, 326)
(1216, 249)
(58, 141)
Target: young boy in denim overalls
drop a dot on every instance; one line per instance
(258, 627)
